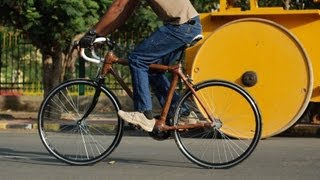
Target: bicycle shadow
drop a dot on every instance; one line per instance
(42, 158)
(151, 162)
(28, 157)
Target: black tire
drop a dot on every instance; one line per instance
(72, 141)
(236, 133)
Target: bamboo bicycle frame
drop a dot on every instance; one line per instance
(176, 71)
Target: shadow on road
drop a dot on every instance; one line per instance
(28, 157)
(40, 158)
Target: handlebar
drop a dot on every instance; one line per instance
(95, 58)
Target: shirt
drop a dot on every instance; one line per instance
(173, 11)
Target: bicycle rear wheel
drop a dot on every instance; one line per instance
(235, 133)
(68, 134)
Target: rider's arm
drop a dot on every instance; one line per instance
(116, 15)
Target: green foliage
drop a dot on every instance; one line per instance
(270, 3)
(204, 5)
(51, 23)
(20, 61)
(144, 21)
(294, 4)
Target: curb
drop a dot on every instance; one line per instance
(299, 130)
(21, 125)
(29, 125)
(3, 125)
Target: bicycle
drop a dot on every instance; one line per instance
(78, 121)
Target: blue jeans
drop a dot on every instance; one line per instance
(162, 47)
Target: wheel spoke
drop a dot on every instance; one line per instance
(75, 140)
(234, 136)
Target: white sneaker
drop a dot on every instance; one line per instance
(192, 118)
(138, 118)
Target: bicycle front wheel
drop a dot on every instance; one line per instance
(235, 131)
(69, 134)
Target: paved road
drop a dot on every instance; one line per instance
(22, 156)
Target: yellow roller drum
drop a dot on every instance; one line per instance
(267, 60)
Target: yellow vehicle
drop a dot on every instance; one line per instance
(270, 51)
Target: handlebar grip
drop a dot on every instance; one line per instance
(100, 39)
(85, 57)
(95, 58)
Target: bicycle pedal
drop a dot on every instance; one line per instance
(137, 127)
(133, 126)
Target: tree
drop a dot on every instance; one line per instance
(51, 25)
(204, 5)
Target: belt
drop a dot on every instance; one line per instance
(191, 22)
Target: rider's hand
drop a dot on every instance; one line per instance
(87, 40)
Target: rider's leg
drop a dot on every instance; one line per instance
(160, 83)
(150, 51)
(162, 42)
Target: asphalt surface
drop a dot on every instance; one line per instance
(23, 156)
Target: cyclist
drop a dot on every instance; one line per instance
(181, 26)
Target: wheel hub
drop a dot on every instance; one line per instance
(217, 124)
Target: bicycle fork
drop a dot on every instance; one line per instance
(98, 82)
(104, 70)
